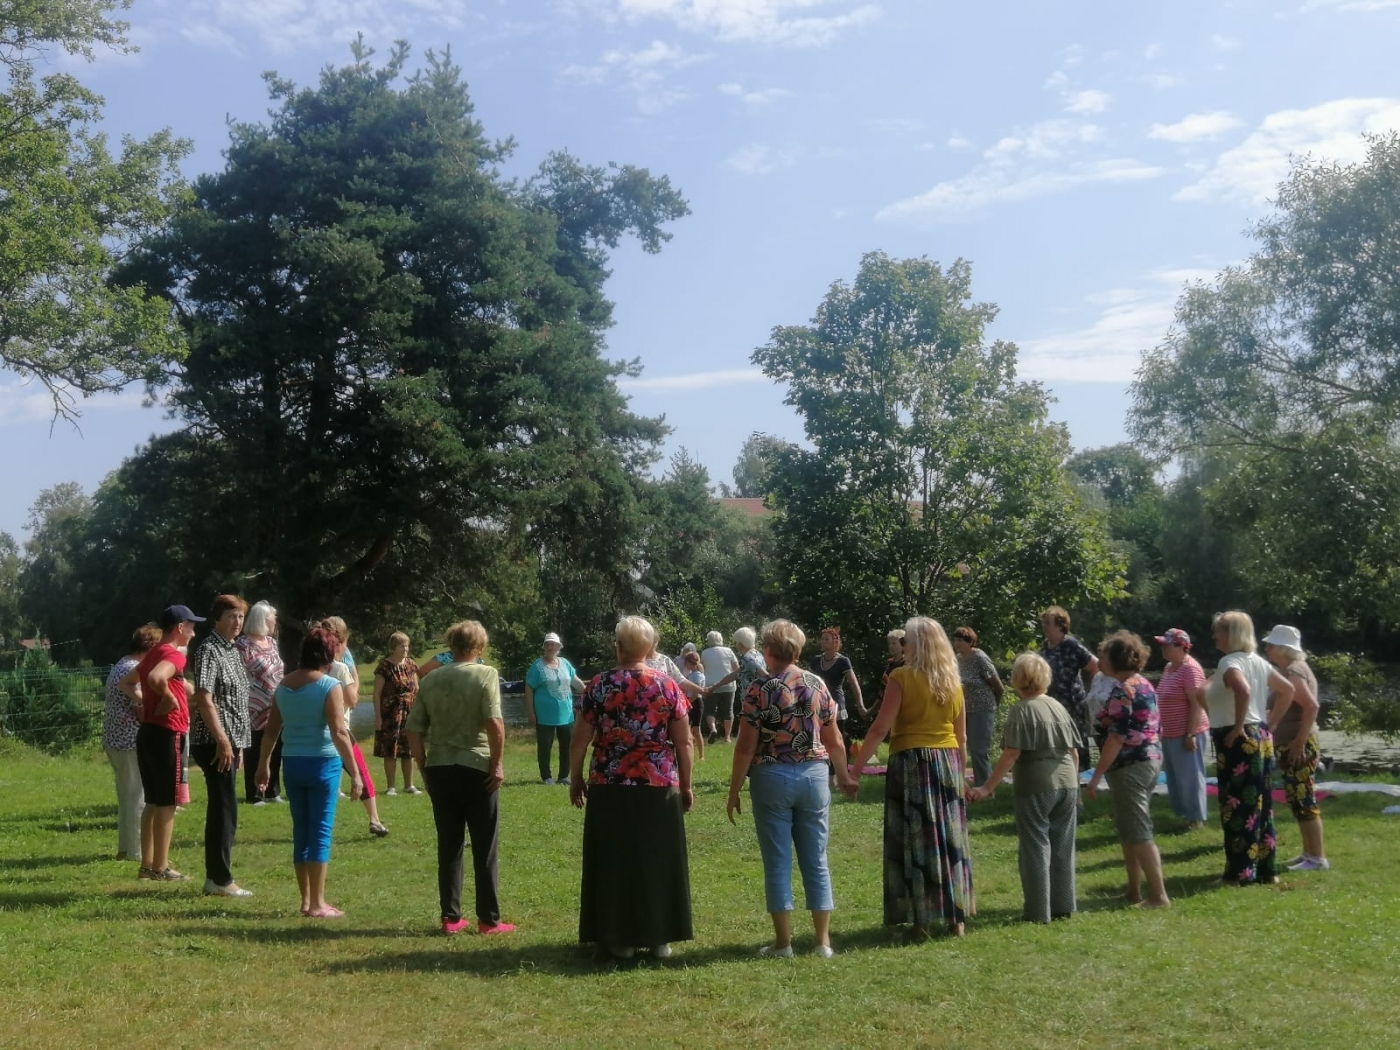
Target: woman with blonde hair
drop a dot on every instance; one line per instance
(1237, 700)
(1039, 742)
(928, 871)
(636, 879)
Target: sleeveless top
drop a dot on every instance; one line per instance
(305, 733)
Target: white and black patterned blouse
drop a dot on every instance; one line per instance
(218, 668)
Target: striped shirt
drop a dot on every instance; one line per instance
(1171, 698)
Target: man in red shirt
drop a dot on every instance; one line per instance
(158, 682)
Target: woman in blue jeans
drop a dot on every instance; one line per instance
(787, 734)
(308, 715)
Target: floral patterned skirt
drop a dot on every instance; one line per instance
(1244, 774)
(928, 869)
(391, 741)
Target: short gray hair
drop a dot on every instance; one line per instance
(259, 621)
(713, 639)
(1294, 655)
(745, 637)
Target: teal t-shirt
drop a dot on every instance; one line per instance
(554, 694)
(305, 733)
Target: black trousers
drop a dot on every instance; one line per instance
(252, 755)
(220, 814)
(544, 742)
(462, 806)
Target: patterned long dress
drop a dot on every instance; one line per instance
(395, 702)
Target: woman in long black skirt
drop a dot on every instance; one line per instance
(636, 877)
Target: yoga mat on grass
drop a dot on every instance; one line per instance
(1279, 795)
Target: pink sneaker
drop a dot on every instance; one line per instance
(486, 929)
(450, 927)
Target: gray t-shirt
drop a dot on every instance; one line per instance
(1041, 729)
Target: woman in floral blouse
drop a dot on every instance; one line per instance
(1130, 754)
(119, 725)
(1068, 658)
(787, 733)
(636, 878)
(257, 645)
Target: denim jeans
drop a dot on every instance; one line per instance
(1186, 777)
(980, 727)
(791, 805)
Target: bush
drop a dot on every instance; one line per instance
(1364, 700)
(50, 707)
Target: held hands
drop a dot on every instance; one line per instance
(850, 787)
(978, 794)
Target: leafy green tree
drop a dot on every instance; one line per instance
(51, 581)
(395, 381)
(70, 208)
(936, 484)
(1283, 374)
(753, 469)
(11, 617)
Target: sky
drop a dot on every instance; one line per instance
(1088, 159)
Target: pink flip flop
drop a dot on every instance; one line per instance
(326, 913)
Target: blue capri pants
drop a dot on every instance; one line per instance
(313, 789)
(791, 808)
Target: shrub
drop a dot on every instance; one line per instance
(50, 707)
(1363, 699)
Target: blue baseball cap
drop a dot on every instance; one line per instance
(175, 615)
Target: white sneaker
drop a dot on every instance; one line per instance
(1296, 860)
(415, 790)
(260, 802)
(212, 889)
(277, 800)
(825, 951)
(661, 951)
(344, 795)
(769, 951)
(391, 793)
(563, 780)
(549, 780)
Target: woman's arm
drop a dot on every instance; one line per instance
(853, 691)
(130, 686)
(960, 733)
(678, 729)
(1305, 698)
(1234, 681)
(1008, 758)
(340, 737)
(496, 740)
(158, 681)
(529, 703)
(271, 732)
(1108, 754)
(744, 750)
(1195, 707)
(889, 711)
(578, 748)
(836, 752)
(378, 699)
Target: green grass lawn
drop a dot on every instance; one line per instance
(92, 958)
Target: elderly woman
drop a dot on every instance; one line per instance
(120, 723)
(350, 693)
(751, 665)
(719, 663)
(258, 648)
(787, 734)
(1293, 722)
(982, 690)
(218, 736)
(309, 715)
(928, 871)
(1039, 743)
(1130, 756)
(1181, 704)
(636, 879)
(550, 685)
(395, 687)
(457, 736)
(1068, 658)
(1237, 701)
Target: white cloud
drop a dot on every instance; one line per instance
(1151, 51)
(1196, 126)
(1354, 5)
(1088, 101)
(758, 159)
(783, 22)
(1333, 131)
(958, 141)
(761, 97)
(29, 401)
(691, 380)
(1046, 158)
(1224, 43)
(290, 25)
(1162, 81)
(643, 72)
(1109, 349)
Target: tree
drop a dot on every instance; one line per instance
(51, 579)
(71, 209)
(754, 467)
(11, 617)
(1283, 374)
(395, 381)
(936, 484)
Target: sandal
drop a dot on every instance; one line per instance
(378, 830)
(325, 912)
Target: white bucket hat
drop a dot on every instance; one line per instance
(552, 637)
(1284, 635)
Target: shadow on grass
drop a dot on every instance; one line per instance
(34, 900)
(560, 960)
(307, 931)
(60, 814)
(62, 860)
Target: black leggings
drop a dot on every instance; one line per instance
(544, 741)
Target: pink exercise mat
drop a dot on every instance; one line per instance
(1279, 795)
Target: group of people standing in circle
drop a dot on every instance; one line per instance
(640, 728)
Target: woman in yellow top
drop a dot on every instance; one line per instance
(928, 871)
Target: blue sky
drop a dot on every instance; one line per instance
(1087, 158)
